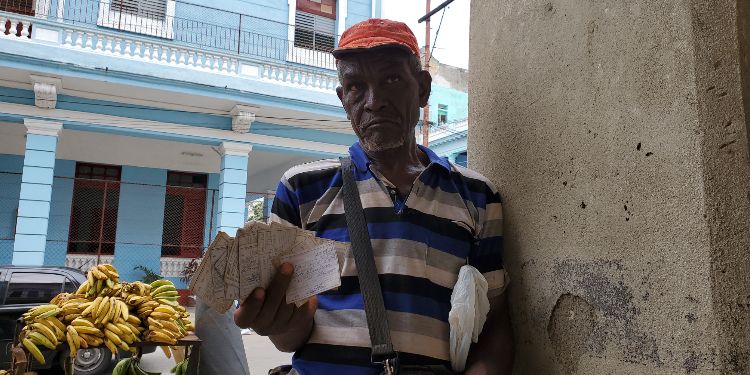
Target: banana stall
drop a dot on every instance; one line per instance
(120, 316)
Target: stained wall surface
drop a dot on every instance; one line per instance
(617, 134)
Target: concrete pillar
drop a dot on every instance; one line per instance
(232, 186)
(617, 133)
(36, 192)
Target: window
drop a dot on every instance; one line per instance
(19, 7)
(152, 9)
(93, 217)
(150, 17)
(184, 214)
(314, 32)
(442, 114)
(33, 287)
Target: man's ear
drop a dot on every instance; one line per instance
(340, 93)
(425, 87)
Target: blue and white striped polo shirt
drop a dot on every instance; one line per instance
(452, 217)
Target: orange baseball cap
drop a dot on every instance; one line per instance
(377, 32)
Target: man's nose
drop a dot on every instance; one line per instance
(375, 100)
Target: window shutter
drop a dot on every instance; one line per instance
(156, 9)
(314, 32)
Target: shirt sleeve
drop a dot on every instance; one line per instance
(487, 254)
(285, 208)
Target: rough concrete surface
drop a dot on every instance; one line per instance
(616, 131)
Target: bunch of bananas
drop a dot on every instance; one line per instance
(101, 280)
(164, 292)
(129, 366)
(179, 369)
(104, 311)
(42, 328)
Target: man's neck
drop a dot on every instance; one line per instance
(401, 166)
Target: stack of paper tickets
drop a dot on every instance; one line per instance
(233, 267)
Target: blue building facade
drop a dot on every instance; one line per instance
(132, 131)
(449, 111)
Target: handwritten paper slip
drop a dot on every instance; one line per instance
(315, 270)
(233, 267)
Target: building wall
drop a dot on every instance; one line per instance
(140, 214)
(10, 190)
(616, 134)
(138, 244)
(457, 102)
(358, 10)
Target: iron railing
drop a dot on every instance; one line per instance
(188, 25)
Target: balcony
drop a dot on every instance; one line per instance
(177, 34)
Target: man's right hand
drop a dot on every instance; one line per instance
(266, 312)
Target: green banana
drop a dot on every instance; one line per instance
(160, 282)
(122, 367)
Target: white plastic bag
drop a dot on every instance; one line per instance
(469, 308)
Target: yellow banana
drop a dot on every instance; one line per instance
(39, 338)
(170, 326)
(165, 309)
(56, 322)
(82, 343)
(114, 328)
(98, 274)
(92, 307)
(39, 310)
(46, 331)
(153, 322)
(90, 278)
(114, 310)
(112, 347)
(82, 322)
(112, 337)
(103, 307)
(99, 286)
(73, 342)
(84, 287)
(124, 310)
(49, 324)
(160, 337)
(88, 330)
(160, 315)
(34, 350)
(166, 351)
(132, 319)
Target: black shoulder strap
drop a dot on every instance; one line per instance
(369, 284)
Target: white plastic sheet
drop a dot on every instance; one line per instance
(469, 308)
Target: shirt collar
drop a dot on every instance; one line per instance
(362, 162)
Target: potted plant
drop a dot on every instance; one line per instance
(186, 275)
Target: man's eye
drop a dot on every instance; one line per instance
(354, 87)
(393, 79)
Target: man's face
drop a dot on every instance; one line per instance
(382, 93)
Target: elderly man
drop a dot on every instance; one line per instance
(426, 218)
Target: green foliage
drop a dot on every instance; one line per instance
(149, 275)
(257, 211)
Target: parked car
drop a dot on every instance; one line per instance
(22, 288)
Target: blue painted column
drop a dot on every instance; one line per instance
(36, 192)
(232, 186)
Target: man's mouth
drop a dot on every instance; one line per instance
(379, 122)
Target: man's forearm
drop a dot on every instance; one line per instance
(494, 353)
(292, 340)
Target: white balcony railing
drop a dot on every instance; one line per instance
(85, 261)
(169, 266)
(113, 43)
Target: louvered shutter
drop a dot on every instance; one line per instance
(314, 32)
(155, 9)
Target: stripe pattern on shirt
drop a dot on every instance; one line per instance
(452, 216)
